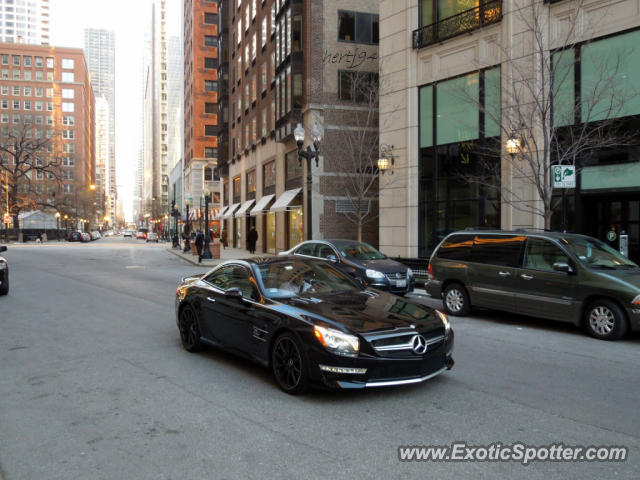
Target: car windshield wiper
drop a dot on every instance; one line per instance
(607, 267)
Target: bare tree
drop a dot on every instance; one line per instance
(23, 158)
(542, 123)
(355, 152)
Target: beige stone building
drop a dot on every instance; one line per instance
(460, 78)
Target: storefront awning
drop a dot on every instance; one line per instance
(261, 206)
(231, 210)
(242, 211)
(284, 200)
(223, 210)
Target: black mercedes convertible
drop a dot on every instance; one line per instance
(312, 325)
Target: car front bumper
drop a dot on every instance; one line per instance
(380, 371)
(633, 314)
(386, 287)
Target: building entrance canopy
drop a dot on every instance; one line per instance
(243, 209)
(220, 215)
(283, 201)
(230, 211)
(261, 206)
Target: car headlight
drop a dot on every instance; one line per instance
(409, 273)
(3, 265)
(373, 273)
(636, 301)
(336, 341)
(445, 321)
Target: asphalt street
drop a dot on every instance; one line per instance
(94, 384)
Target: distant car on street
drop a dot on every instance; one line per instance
(95, 235)
(141, 236)
(4, 273)
(127, 233)
(312, 324)
(74, 237)
(152, 237)
(85, 237)
(360, 260)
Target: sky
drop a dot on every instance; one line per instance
(129, 20)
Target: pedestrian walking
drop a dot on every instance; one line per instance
(252, 238)
(199, 243)
(223, 238)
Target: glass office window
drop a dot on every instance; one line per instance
(454, 99)
(563, 88)
(492, 101)
(426, 116)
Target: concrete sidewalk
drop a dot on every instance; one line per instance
(225, 254)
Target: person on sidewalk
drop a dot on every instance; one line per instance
(199, 243)
(223, 238)
(252, 238)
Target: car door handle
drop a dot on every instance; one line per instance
(212, 300)
(504, 274)
(527, 277)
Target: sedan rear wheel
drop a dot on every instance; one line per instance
(289, 365)
(456, 300)
(4, 289)
(605, 320)
(189, 329)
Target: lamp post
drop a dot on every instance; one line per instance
(207, 252)
(386, 159)
(187, 232)
(308, 155)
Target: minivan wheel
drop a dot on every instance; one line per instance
(456, 300)
(605, 320)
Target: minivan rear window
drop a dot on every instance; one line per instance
(456, 247)
(503, 250)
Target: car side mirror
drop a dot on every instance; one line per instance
(332, 258)
(3, 248)
(562, 267)
(233, 292)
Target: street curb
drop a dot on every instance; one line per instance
(170, 250)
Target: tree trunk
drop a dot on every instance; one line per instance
(359, 229)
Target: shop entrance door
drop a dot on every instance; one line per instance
(620, 212)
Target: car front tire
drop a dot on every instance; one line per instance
(455, 300)
(289, 364)
(189, 329)
(4, 290)
(605, 320)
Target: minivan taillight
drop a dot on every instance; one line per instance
(430, 271)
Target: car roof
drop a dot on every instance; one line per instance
(269, 260)
(540, 233)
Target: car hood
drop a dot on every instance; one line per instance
(629, 277)
(385, 265)
(365, 311)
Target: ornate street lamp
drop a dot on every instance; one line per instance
(308, 155)
(386, 160)
(512, 145)
(207, 252)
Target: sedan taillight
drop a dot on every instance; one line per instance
(430, 271)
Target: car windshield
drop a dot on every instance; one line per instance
(595, 253)
(292, 278)
(361, 251)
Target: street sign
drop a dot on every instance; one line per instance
(564, 176)
(7, 218)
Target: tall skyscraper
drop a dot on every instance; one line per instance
(99, 50)
(24, 21)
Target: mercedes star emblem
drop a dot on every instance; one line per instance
(419, 344)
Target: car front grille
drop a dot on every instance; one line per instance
(402, 345)
(396, 276)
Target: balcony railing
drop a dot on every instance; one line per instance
(464, 22)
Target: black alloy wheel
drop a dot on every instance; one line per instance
(189, 329)
(605, 320)
(288, 364)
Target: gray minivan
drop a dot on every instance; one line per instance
(560, 276)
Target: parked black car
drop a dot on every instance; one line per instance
(559, 276)
(312, 324)
(74, 237)
(360, 260)
(4, 273)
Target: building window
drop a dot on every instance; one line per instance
(5, 59)
(264, 32)
(67, 188)
(263, 76)
(66, 106)
(67, 120)
(39, 62)
(210, 41)
(210, 152)
(68, 148)
(210, 107)
(50, 62)
(236, 190)
(358, 27)
(354, 86)
(68, 134)
(68, 64)
(39, 91)
(251, 183)
(68, 93)
(210, 62)
(16, 60)
(210, 86)
(293, 166)
(67, 77)
(210, 18)
(16, 91)
(210, 130)
(67, 175)
(27, 91)
(208, 174)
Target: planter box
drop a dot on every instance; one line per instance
(214, 248)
